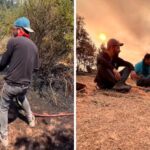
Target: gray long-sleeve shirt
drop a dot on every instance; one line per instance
(22, 57)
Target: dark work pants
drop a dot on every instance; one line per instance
(105, 78)
(145, 82)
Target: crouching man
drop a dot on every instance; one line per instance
(142, 72)
(108, 61)
(22, 58)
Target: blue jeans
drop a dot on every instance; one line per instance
(7, 96)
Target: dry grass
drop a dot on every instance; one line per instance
(107, 120)
(49, 132)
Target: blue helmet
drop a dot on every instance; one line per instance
(24, 23)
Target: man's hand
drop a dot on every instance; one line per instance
(117, 74)
(134, 75)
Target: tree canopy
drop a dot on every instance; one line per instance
(85, 47)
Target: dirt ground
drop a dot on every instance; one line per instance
(107, 120)
(49, 134)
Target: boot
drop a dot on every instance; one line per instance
(120, 87)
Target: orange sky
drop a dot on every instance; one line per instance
(126, 20)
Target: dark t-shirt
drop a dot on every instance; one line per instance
(22, 58)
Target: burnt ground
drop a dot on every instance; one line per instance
(107, 120)
(49, 134)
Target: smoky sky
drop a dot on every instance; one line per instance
(133, 15)
(126, 20)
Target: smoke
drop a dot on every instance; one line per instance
(133, 15)
(126, 20)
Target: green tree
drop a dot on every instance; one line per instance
(52, 21)
(7, 17)
(8, 3)
(85, 48)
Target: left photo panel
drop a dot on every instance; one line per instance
(37, 74)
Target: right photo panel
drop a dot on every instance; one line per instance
(113, 74)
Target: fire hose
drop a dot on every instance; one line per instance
(62, 114)
(53, 115)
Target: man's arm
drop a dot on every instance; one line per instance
(6, 57)
(122, 62)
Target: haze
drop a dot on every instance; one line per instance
(126, 20)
